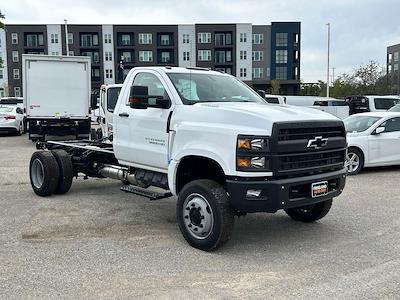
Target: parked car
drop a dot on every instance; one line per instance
(15, 101)
(11, 119)
(373, 140)
(395, 108)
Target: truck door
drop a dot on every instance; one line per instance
(148, 137)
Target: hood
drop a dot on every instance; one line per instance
(247, 117)
(278, 113)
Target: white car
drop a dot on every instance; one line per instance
(11, 119)
(373, 140)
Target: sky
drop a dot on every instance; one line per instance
(360, 29)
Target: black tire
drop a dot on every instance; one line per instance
(44, 173)
(310, 213)
(20, 129)
(66, 171)
(218, 209)
(358, 155)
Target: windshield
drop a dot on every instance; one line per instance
(112, 97)
(395, 108)
(196, 88)
(359, 123)
(6, 109)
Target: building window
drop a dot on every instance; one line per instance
(107, 38)
(54, 38)
(258, 55)
(109, 73)
(145, 38)
(108, 55)
(258, 73)
(126, 56)
(70, 38)
(258, 38)
(243, 37)
(14, 38)
(268, 72)
(186, 56)
(242, 72)
(296, 72)
(389, 68)
(296, 55)
(17, 91)
(1, 74)
(15, 56)
(281, 56)
(396, 56)
(165, 57)
(281, 73)
(164, 39)
(55, 53)
(204, 55)
(89, 39)
(94, 55)
(390, 56)
(395, 67)
(145, 55)
(281, 39)
(16, 73)
(243, 54)
(185, 38)
(204, 37)
(71, 53)
(296, 38)
(96, 72)
(222, 57)
(222, 39)
(125, 39)
(34, 40)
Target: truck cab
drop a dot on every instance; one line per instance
(371, 103)
(214, 143)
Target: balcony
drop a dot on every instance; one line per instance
(165, 39)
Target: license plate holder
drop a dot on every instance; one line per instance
(319, 189)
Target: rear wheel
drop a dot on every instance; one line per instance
(310, 213)
(43, 173)
(204, 214)
(66, 171)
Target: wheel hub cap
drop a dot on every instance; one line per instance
(352, 162)
(197, 216)
(37, 173)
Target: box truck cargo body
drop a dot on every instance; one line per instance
(57, 95)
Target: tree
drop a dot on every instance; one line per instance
(275, 87)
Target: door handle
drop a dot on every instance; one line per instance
(124, 114)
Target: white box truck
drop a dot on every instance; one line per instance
(57, 93)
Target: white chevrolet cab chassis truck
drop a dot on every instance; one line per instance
(213, 142)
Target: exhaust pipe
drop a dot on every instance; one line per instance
(119, 173)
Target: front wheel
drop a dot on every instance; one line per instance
(310, 213)
(204, 214)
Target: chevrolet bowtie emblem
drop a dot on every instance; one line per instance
(317, 143)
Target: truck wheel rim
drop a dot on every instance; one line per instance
(198, 216)
(353, 162)
(37, 173)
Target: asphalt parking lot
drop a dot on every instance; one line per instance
(98, 242)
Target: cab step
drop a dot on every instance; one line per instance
(152, 195)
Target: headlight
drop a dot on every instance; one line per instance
(252, 154)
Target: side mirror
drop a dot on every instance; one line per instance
(261, 93)
(379, 130)
(93, 101)
(139, 98)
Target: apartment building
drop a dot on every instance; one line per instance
(256, 54)
(392, 67)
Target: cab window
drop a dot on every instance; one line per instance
(154, 85)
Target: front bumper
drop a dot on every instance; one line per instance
(282, 193)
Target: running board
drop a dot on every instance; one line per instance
(144, 192)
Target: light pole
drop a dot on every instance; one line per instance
(66, 37)
(327, 75)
